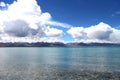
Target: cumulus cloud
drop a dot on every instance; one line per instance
(17, 28)
(115, 36)
(97, 33)
(101, 31)
(25, 19)
(53, 32)
(77, 32)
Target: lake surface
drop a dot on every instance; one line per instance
(46, 63)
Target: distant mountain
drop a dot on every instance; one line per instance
(56, 44)
(37, 44)
(91, 44)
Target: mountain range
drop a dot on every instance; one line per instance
(56, 44)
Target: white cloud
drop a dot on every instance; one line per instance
(2, 4)
(25, 19)
(16, 28)
(77, 32)
(97, 33)
(101, 31)
(115, 36)
(53, 32)
(54, 23)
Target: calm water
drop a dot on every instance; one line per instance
(32, 63)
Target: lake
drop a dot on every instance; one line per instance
(52, 63)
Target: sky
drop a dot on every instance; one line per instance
(60, 21)
(83, 12)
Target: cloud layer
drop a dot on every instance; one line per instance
(97, 33)
(24, 21)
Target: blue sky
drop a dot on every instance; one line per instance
(82, 13)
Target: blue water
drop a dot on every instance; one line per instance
(85, 58)
(28, 61)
